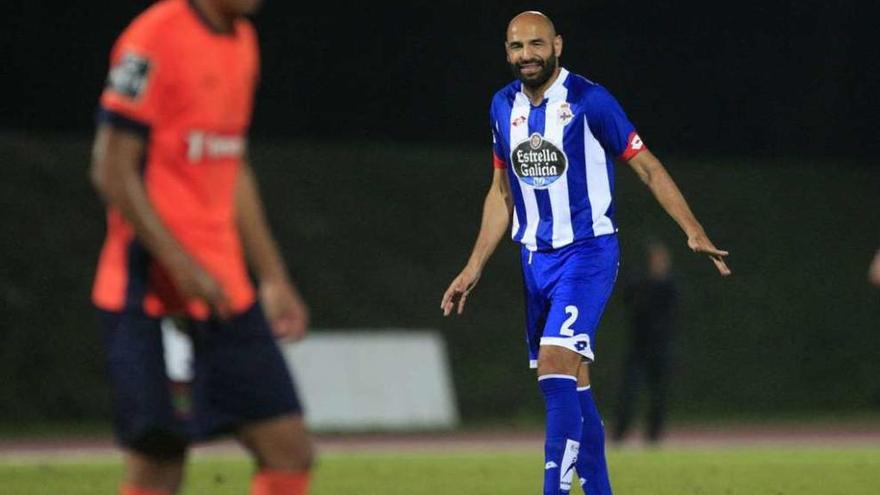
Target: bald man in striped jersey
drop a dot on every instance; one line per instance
(556, 137)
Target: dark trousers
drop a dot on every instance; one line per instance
(648, 365)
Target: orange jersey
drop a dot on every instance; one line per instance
(189, 91)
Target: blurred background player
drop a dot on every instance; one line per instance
(556, 136)
(651, 296)
(169, 159)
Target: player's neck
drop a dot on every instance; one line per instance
(219, 20)
(536, 95)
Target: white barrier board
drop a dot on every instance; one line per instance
(373, 380)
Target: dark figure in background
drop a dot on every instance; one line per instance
(652, 298)
(874, 270)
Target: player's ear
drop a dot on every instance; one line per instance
(557, 45)
(507, 51)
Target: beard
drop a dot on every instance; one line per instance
(539, 78)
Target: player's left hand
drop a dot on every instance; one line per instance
(700, 243)
(458, 291)
(285, 309)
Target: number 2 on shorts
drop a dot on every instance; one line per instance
(566, 330)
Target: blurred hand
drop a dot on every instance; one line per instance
(699, 243)
(458, 291)
(193, 282)
(874, 270)
(285, 309)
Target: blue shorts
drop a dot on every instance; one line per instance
(566, 290)
(166, 398)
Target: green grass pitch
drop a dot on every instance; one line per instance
(728, 471)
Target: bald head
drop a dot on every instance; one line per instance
(533, 48)
(531, 20)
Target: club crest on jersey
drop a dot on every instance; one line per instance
(564, 114)
(518, 121)
(129, 76)
(538, 162)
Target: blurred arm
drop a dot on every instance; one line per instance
(654, 175)
(281, 301)
(115, 174)
(260, 246)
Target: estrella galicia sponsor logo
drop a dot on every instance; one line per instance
(130, 75)
(538, 162)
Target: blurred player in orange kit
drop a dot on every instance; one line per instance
(184, 217)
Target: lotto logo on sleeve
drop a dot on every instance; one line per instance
(538, 162)
(636, 143)
(129, 77)
(634, 146)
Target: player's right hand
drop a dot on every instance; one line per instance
(458, 291)
(193, 282)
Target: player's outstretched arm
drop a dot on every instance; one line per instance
(284, 307)
(115, 174)
(496, 217)
(655, 176)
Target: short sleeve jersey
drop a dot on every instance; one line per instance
(559, 157)
(188, 91)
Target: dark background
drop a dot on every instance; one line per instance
(372, 146)
(771, 78)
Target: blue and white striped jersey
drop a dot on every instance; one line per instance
(559, 158)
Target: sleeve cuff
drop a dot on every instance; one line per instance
(497, 162)
(634, 146)
(119, 121)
